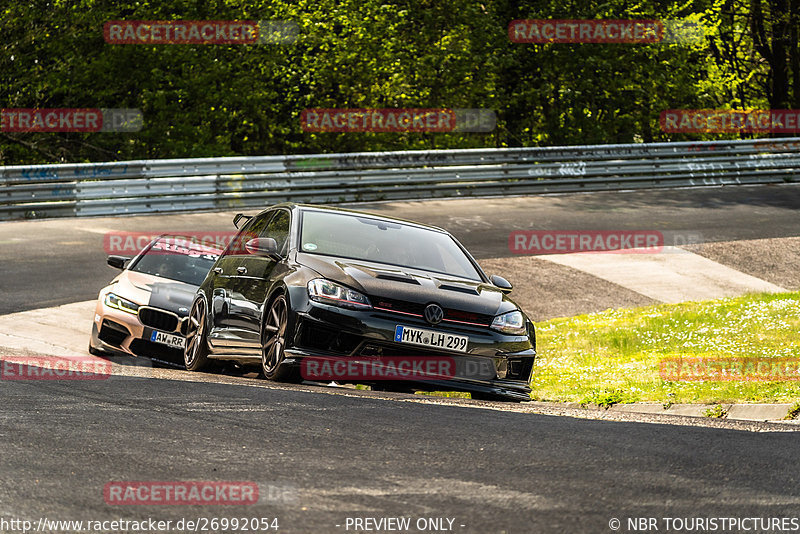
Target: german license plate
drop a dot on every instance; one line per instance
(172, 340)
(430, 338)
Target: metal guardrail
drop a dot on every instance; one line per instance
(152, 186)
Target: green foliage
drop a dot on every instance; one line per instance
(215, 100)
(605, 398)
(716, 411)
(794, 411)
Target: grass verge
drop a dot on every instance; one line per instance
(614, 356)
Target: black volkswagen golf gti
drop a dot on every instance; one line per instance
(302, 283)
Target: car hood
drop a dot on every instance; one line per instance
(381, 281)
(150, 290)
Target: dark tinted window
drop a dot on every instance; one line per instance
(249, 231)
(365, 238)
(278, 229)
(177, 260)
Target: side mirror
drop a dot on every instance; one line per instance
(240, 218)
(501, 283)
(118, 262)
(263, 246)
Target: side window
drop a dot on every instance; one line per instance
(252, 229)
(278, 229)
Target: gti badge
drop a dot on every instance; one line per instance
(434, 313)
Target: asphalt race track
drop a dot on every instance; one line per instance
(324, 456)
(337, 457)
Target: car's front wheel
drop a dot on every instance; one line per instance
(273, 343)
(195, 356)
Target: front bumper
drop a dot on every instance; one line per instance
(494, 364)
(118, 332)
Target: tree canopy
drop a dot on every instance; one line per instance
(203, 100)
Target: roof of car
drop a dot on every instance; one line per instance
(317, 207)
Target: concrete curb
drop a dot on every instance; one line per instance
(738, 412)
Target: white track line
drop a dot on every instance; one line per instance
(672, 276)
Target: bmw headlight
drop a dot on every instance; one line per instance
(328, 292)
(115, 301)
(510, 323)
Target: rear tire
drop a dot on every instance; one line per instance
(195, 356)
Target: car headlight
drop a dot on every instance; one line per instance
(322, 290)
(115, 301)
(510, 323)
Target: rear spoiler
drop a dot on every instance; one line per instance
(239, 217)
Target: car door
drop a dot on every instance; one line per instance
(227, 304)
(254, 276)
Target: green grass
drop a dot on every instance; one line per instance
(613, 356)
(716, 412)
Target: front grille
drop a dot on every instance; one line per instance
(412, 308)
(323, 337)
(460, 316)
(160, 320)
(398, 306)
(113, 333)
(149, 349)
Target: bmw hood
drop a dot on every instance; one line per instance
(149, 290)
(382, 282)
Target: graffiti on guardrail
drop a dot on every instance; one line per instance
(572, 168)
(780, 146)
(575, 168)
(56, 172)
(378, 160)
(62, 190)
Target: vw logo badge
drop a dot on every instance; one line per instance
(434, 313)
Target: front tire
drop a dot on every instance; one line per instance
(273, 343)
(195, 356)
